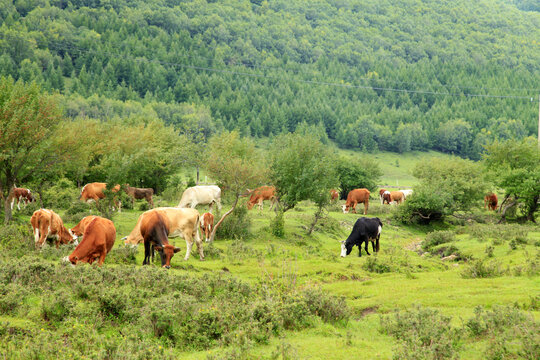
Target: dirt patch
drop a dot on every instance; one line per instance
(369, 310)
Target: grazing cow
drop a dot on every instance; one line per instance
(364, 230)
(94, 192)
(178, 222)
(140, 193)
(260, 194)
(98, 239)
(201, 194)
(491, 201)
(354, 197)
(207, 223)
(381, 192)
(20, 194)
(406, 193)
(391, 196)
(334, 194)
(47, 224)
(78, 229)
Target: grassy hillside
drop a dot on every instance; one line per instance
(497, 265)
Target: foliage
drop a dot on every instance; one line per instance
(277, 225)
(357, 173)
(235, 226)
(198, 66)
(62, 194)
(515, 165)
(436, 238)
(30, 145)
(422, 333)
(445, 187)
(482, 269)
(301, 168)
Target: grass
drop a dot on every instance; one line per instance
(298, 261)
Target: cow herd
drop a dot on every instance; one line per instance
(154, 227)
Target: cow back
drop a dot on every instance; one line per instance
(201, 194)
(358, 195)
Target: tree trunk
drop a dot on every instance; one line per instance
(318, 216)
(509, 205)
(7, 211)
(197, 175)
(213, 234)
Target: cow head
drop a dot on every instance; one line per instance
(250, 205)
(345, 209)
(166, 252)
(346, 248)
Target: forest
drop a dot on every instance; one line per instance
(387, 75)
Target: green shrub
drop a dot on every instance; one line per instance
(481, 269)
(235, 226)
(329, 308)
(61, 194)
(436, 238)
(277, 225)
(121, 254)
(377, 265)
(56, 306)
(422, 333)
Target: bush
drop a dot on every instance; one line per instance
(76, 211)
(61, 195)
(121, 254)
(481, 269)
(376, 265)
(55, 306)
(436, 238)
(277, 225)
(422, 333)
(235, 226)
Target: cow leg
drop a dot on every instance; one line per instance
(146, 252)
(373, 245)
(19, 204)
(189, 245)
(218, 202)
(366, 246)
(150, 201)
(199, 243)
(44, 231)
(366, 205)
(12, 203)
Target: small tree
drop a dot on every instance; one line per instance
(29, 141)
(357, 173)
(302, 168)
(236, 164)
(446, 186)
(516, 168)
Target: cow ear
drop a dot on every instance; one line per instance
(342, 241)
(176, 249)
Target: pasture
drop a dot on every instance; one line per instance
(290, 297)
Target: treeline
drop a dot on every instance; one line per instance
(264, 67)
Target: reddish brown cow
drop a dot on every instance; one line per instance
(381, 192)
(140, 193)
(94, 191)
(78, 229)
(391, 196)
(260, 194)
(206, 224)
(334, 194)
(491, 201)
(155, 231)
(47, 224)
(18, 195)
(354, 197)
(98, 239)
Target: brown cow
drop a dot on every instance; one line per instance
(491, 201)
(334, 194)
(140, 193)
(381, 192)
(94, 191)
(183, 222)
(47, 224)
(98, 239)
(391, 196)
(260, 194)
(78, 229)
(155, 230)
(20, 194)
(206, 224)
(354, 197)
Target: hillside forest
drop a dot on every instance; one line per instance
(387, 75)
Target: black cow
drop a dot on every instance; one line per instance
(364, 230)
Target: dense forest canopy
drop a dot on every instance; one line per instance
(391, 75)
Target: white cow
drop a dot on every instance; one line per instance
(202, 194)
(406, 193)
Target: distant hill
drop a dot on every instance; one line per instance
(394, 75)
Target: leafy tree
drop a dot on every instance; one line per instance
(302, 168)
(236, 165)
(355, 173)
(446, 187)
(29, 138)
(515, 165)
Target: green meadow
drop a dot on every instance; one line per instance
(354, 301)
